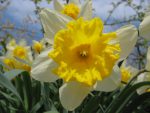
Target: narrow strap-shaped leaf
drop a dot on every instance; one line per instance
(139, 100)
(119, 103)
(37, 106)
(92, 105)
(27, 89)
(8, 97)
(7, 84)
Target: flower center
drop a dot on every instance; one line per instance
(82, 51)
(84, 54)
(71, 10)
(20, 52)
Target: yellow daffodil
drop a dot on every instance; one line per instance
(11, 63)
(81, 55)
(18, 56)
(19, 50)
(125, 75)
(37, 46)
(74, 9)
(127, 72)
(145, 76)
(144, 27)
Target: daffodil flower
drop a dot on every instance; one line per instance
(20, 50)
(145, 76)
(74, 9)
(127, 72)
(38, 46)
(144, 27)
(18, 56)
(82, 56)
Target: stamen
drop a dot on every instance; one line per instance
(84, 53)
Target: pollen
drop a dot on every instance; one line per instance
(83, 53)
(20, 52)
(71, 10)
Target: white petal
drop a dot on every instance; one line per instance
(144, 28)
(11, 45)
(148, 59)
(52, 22)
(141, 78)
(127, 36)
(72, 94)
(58, 6)
(42, 68)
(86, 10)
(23, 42)
(77, 2)
(110, 83)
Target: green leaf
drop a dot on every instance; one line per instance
(120, 101)
(7, 84)
(51, 112)
(8, 97)
(37, 106)
(129, 94)
(139, 100)
(13, 73)
(27, 89)
(92, 105)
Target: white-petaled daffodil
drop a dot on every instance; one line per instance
(18, 56)
(81, 55)
(74, 9)
(127, 72)
(38, 46)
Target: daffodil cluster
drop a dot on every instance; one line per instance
(20, 56)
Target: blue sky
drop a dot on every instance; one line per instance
(19, 11)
